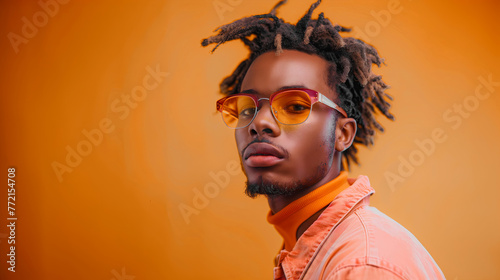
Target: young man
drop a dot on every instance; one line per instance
(297, 104)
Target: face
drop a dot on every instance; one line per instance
(283, 159)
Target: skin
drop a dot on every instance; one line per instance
(313, 149)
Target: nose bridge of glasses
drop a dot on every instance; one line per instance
(260, 105)
(263, 98)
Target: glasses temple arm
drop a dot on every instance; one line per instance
(323, 99)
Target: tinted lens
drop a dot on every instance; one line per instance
(238, 111)
(291, 107)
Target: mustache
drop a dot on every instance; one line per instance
(265, 140)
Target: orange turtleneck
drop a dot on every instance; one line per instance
(288, 219)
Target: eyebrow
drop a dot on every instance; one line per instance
(253, 91)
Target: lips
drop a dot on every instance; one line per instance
(262, 155)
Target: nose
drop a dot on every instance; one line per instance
(264, 122)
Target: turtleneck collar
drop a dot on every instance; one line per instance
(288, 219)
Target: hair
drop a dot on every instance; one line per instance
(360, 92)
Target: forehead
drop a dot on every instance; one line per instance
(270, 72)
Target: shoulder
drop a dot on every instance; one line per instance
(368, 242)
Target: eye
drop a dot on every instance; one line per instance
(296, 108)
(247, 113)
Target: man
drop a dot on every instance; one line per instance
(297, 104)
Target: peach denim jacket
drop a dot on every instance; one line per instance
(352, 240)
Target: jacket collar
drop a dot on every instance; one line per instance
(295, 262)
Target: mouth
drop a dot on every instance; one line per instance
(262, 155)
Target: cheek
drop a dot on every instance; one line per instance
(312, 141)
(238, 137)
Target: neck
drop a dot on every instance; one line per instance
(307, 223)
(294, 217)
(276, 203)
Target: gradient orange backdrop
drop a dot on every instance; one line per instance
(116, 214)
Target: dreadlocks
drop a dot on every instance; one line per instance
(360, 91)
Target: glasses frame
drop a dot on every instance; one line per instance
(315, 97)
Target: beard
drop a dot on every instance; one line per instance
(273, 188)
(287, 189)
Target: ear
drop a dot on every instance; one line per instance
(345, 132)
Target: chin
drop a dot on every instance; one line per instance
(262, 186)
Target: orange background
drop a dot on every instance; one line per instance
(117, 213)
